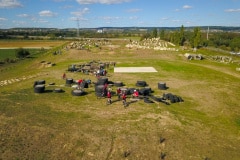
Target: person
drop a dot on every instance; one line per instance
(124, 98)
(98, 73)
(89, 81)
(119, 93)
(105, 86)
(104, 92)
(104, 72)
(135, 94)
(109, 97)
(64, 76)
(79, 83)
(83, 83)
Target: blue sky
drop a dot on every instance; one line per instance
(118, 13)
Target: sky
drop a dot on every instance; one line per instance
(118, 13)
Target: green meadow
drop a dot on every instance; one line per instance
(52, 125)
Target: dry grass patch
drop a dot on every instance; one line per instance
(30, 44)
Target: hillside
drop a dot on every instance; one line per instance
(53, 125)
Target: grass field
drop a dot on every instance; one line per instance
(61, 126)
(11, 53)
(8, 48)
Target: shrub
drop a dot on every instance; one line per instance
(22, 53)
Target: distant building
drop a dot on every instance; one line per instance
(100, 31)
(143, 30)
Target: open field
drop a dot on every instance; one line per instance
(61, 126)
(12, 44)
(11, 53)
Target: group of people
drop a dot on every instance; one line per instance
(100, 72)
(121, 95)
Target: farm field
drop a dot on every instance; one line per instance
(205, 126)
(11, 44)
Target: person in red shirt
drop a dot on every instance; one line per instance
(135, 94)
(124, 99)
(105, 89)
(79, 83)
(109, 97)
(105, 72)
(64, 76)
(119, 93)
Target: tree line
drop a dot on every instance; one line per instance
(196, 38)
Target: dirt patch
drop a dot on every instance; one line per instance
(30, 44)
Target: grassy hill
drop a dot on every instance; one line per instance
(61, 126)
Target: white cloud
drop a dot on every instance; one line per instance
(59, 0)
(111, 18)
(165, 18)
(23, 15)
(232, 10)
(187, 7)
(19, 23)
(47, 13)
(101, 1)
(10, 4)
(80, 13)
(78, 19)
(175, 20)
(134, 10)
(3, 19)
(42, 21)
(67, 6)
(133, 17)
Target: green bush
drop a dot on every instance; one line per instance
(22, 53)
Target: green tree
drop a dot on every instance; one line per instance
(154, 33)
(22, 53)
(196, 39)
(234, 44)
(162, 34)
(175, 38)
(51, 35)
(182, 36)
(145, 36)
